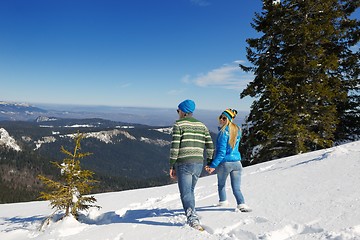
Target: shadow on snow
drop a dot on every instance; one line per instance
(156, 217)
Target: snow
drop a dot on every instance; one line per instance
(104, 136)
(125, 127)
(167, 130)
(159, 142)
(8, 141)
(38, 143)
(309, 196)
(79, 126)
(275, 2)
(15, 104)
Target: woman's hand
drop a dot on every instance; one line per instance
(209, 169)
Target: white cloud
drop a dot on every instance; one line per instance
(229, 76)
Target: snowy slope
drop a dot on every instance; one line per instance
(309, 196)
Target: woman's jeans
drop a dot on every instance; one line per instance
(223, 171)
(188, 175)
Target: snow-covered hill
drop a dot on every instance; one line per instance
(309, 196)
(8, 141)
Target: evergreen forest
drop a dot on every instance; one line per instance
(306, 78)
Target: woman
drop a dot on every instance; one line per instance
(227, 159)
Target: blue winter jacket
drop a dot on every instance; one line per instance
(223, 151)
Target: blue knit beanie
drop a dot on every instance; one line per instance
(187, 106)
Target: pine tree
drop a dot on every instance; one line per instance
(349, 112)
(265, 54)
(298, 83)
(68, 193)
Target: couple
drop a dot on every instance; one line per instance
(190, 138)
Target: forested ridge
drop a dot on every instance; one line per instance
(136, 157)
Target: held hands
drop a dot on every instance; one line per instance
(172, 172)
(209, 169)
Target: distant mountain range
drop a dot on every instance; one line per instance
(137, 115)
(19, 111)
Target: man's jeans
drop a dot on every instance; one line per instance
(188, 175)
(223, 171)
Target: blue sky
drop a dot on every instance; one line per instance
(143, 53)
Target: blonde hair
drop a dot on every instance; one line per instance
(233, 131)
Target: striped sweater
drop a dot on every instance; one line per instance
(190, 137)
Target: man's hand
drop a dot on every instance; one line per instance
(172, 173)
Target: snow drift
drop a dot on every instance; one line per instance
(309, 196)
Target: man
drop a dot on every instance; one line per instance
(190, 138)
